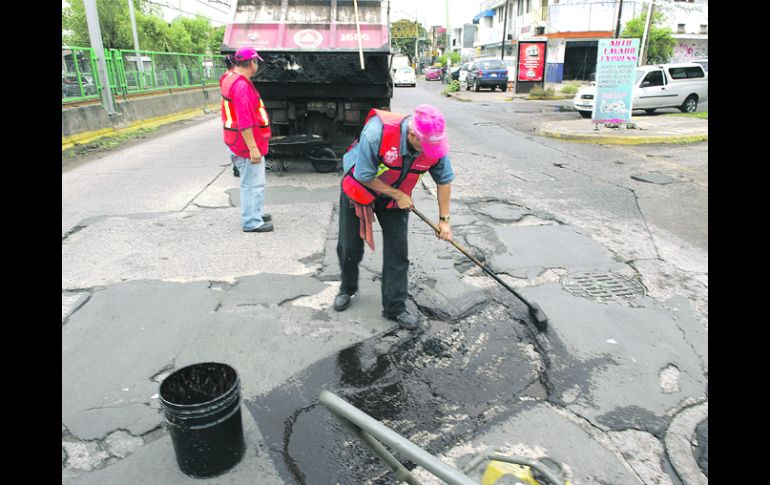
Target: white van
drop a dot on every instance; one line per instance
(680, 86)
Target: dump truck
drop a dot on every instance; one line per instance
(326, 64)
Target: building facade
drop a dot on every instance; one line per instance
(573, 29)
(688, 20)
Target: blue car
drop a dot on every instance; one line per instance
(487, 73)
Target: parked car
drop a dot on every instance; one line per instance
(510, 63)
(704, 64)
(463, 73)
(404, 76)
(433, 74)
(454, 74)
(487, 73)
(681, 86)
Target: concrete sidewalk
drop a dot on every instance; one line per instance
(644, 129)
(658, 128)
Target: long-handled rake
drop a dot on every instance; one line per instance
(537, 313)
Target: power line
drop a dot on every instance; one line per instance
(209, 6)
(184, 11)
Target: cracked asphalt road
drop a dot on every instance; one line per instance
(156, 275)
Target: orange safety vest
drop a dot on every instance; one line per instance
(230, 121)
(391, 165)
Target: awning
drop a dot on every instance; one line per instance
(484, 13)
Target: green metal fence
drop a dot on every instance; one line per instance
(131, 71)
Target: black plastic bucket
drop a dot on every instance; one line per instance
(202, 407)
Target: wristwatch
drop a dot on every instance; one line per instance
(444, 218)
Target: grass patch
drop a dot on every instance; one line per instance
(453, 87)
(569, 89)
(701, 116)
(106, 143)
(546, 94)
(539, 93)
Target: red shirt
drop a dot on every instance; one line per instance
(246, 102)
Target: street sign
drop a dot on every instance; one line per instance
(531, 61)
(615, 75)
(530, 65)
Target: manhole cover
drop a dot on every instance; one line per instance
(602, 286)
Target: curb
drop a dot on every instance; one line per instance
(459, 98)
(621, 140)
(678, 442)
(91, 136)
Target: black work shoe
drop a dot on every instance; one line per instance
(342, 301)
(236, 173)
(265, 227)
(267, 218)
(405, 320)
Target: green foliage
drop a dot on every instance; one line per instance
(453, 87)
(189, 35)
(539, 93)
(113, 18)
(661, 45)
(569, 89)
(405, 45)
(216, 38)
(453, 56)
(703, 115)
(107, 142)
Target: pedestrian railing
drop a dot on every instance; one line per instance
(132, 71)
(374, 434)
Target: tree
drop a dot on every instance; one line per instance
(199, 30)
(114, 21)
(402, 37)
(453, 56)
(216, 38)
(661, 44)
(188, 35)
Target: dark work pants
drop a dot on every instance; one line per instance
(395, 254)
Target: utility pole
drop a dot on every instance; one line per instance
(620, 12)
(416, 42)
(505, 25)
(95, 35)
(140, 62)
(646, 36)
(448, 44)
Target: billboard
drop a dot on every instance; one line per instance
(616, 62)
(531, 61)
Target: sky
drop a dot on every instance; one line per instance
(430, 12)
(433, 12)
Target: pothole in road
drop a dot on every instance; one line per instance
(435, 389)
(602, 287)
(486, 123)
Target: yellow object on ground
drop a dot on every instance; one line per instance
(498, 469)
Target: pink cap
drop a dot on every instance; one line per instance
(428, 125)
(247, 54)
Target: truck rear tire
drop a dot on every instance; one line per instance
(324, 160)
(585, 114)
